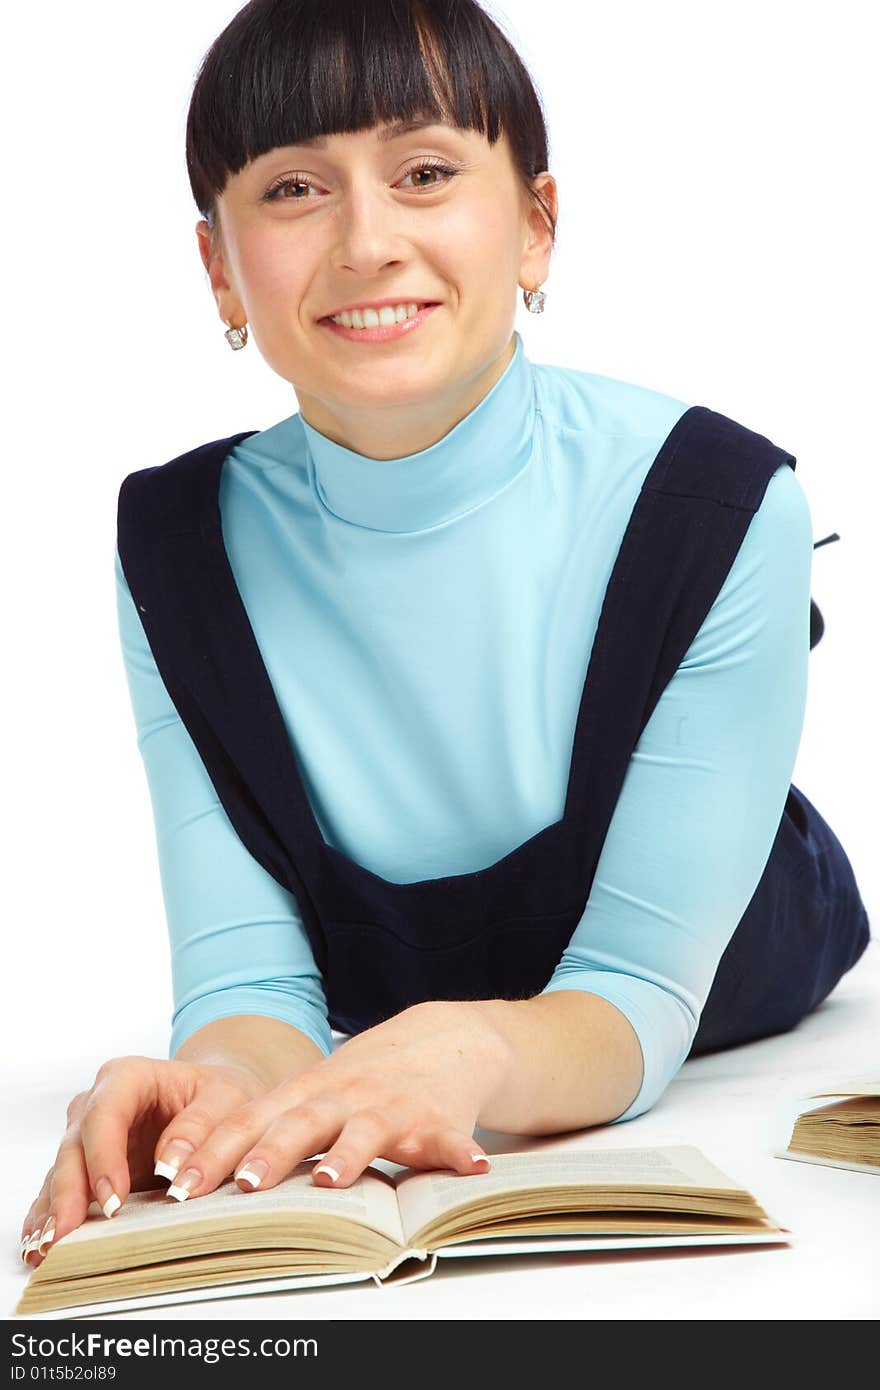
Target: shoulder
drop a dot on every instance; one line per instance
(763, 604)
(280, 443)
(570, 398)
(157, 476)
(168, 495)
(785, 506)
(780, 535)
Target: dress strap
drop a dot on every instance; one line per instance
(695, 505)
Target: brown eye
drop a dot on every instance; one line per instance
(292, 181)
(300, 181)
(432, 167)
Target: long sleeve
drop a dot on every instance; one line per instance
(702, 798)
(237, 941)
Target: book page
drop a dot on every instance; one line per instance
(866, 1087)
(423, 1196)
(370, 1201)
(872, 1168)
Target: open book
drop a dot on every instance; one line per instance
(845, 1134)
(295, 1235)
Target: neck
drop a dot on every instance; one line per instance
(396, 429)
(459, 464)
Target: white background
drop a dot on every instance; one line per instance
(717, 241)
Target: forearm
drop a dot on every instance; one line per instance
(268, 1047)
(572, 1060)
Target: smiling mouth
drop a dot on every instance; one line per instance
(419, 303)
(381, 332)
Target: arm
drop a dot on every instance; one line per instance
(686, 848)
(271, 1049)
(246, 986)
(549, 1045)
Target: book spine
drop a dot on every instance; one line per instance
(406, 1266)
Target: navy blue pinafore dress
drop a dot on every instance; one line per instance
(498, 932)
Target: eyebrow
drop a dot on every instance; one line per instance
(391, 132)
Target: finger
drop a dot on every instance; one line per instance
(449, 1148)
(191, 1127)
(38, 1215)
(303, 1130)
(64, 1197)
(364, 1137)
(69, 1193)
(424, 1148)
(39, 1209)
(123, 1089)
(241, 1133)
(437, 1147)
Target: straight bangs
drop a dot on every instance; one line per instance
(283, 71)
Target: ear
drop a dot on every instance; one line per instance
(212, 256)
(535, 264)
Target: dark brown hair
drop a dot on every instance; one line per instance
(285, 70)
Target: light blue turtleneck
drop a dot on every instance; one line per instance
(426, 623)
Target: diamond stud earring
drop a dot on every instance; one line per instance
(534, 300)
(236, 337)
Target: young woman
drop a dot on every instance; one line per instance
(469, 694)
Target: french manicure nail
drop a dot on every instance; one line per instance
(33, 1244)
(333, 1173)
(107, 1198)
(480, 1158)
(47, 1236)
(173, 1156)
(253, 1172)
(181, 1190)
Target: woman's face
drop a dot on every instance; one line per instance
(354, 218)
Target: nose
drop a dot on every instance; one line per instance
(370, 228)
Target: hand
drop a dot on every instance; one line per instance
(117, 1130)
(409, 1090)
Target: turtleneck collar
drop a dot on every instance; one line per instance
(470, 464)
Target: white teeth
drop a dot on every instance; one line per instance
(373, 318)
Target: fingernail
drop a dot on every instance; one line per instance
(480, 1158)
(253, 1172)
(33, 1244)
(333, 1172)
(181, 1190)
(48, 1235)
(172, 1157)
(107, 1198)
